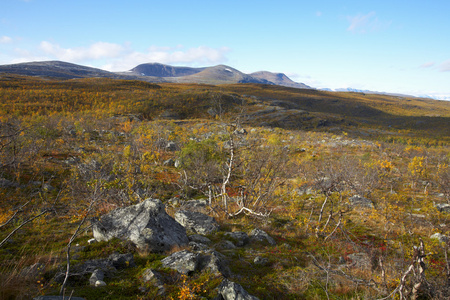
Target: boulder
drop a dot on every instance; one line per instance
(196, 221)
(154, 278)
(97, 275)
(229, 290)
(443, 207)
(240, 238)
(200, 205)
(261, 236)
(185, 262)
(121, 261)
(214, 262)
(360, 202)
(439, 236)
(199, 239)
(146, 224)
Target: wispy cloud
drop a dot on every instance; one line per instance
(179, 55)
(121, 57)
(428, 64)
(97, 50)
(366, 23)
(5, 39)
(445, 66)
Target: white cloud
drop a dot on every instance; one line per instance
(5, 39)
(428, 64)
(445, 66)
(97, 50)
(192, 56)
(366, 23)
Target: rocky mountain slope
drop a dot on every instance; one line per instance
(152, 72)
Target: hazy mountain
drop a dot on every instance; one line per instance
(279, 79)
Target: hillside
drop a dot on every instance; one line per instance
(277, 192)
(151, 72)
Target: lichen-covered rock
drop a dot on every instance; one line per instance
(184, 262)
(360, 202)
(215, 262)
(196, 221)
(146, 224)
(261, 236)
(239, 237)
(229, 290)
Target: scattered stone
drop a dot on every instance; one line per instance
(261, 236)
(214, 262)
(438, 236)
(146, 224)
(196, 221)
(121, 261)
(226, 245)
(360, 202)
(97, 275)
(155, 278)
(196, 205)
(100, 283)
(239, 237)
(171, 146)
(184, 262)
(198, 246)
(229, 290)
(260, 261)
(199, 239)
(170, 162)
(443, 207)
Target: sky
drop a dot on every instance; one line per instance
(385, 45)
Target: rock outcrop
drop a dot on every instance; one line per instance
(196, 222)
(146, 224)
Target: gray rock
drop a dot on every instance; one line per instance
(99, 283)
(240, 238)
(198, 246)
(196, 221)
(171, 146)
(199, 239)
(226, 245)
(360, 202)
(443, 207)
(146, 224)
(439, 236)
(170, 162)
(154, 278)
(96, 276)
(260, 261)
(121, 261)
(229, 290)
(184, 262)
(261, 236)
(214, 262)
(195, 205)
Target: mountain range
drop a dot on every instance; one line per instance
(152, 72)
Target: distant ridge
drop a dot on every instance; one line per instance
(279, 79)
(152, 72)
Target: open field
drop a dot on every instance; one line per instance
(288, 161)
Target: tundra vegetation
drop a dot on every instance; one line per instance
(354, 188)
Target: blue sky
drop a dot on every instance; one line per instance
(392, 46)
